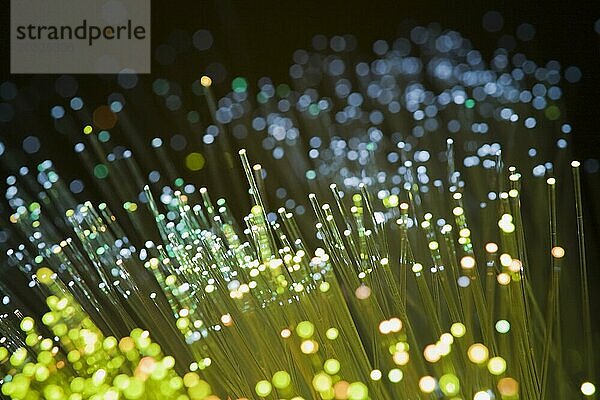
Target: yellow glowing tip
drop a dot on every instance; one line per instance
(44, 275)
(558, 252)
(205, 81)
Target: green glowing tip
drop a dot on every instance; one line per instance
(449, 384)
(263, 388)
(281, 379)
(239, 85)
(305, 329)
(100, 171)
(331, 366)
(322, 382)
(358, 391)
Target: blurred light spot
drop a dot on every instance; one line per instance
(202, 39)
(76, 103)
(492, 21)
(194, 161)
(8, 91)
(127, 78)
(525, 32)
(31, 144)
(57, 112)
(100, 171)
(573, 74)
(178, 142)
(76, 186)
(104, 118)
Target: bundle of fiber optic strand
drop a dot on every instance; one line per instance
(409, 285)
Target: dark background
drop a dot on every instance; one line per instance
(257, 38)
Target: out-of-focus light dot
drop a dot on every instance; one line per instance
(449, 384)
(103, 136)
(331, 366)
(310, 174)
(31, 144)
(79, 147)
(178, 142)
(588, 388)
(305, 329)
(239, 85)
(281, 379)
(395, 375)
(100, 171)
(202, 39)
(482, 396)
(195, 161)
(525, 32)
(530, 122)
(496, 365)
(127, 78)
(552, 113)
(76, 186)
(467, 262)
(508, 387)
(463, 281)
(116, 106)
(76, 103)
(8, 91)
(492, 21)
(309, 347)
(427, 384)
(87, 129)
(263, 388)
(332, 333)
(160, 87)
(193, 117)
(358, 391)
(57, 112)
(104, 118)
(478, 353)
(173, 102)
(362, 292)
(573, 74)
